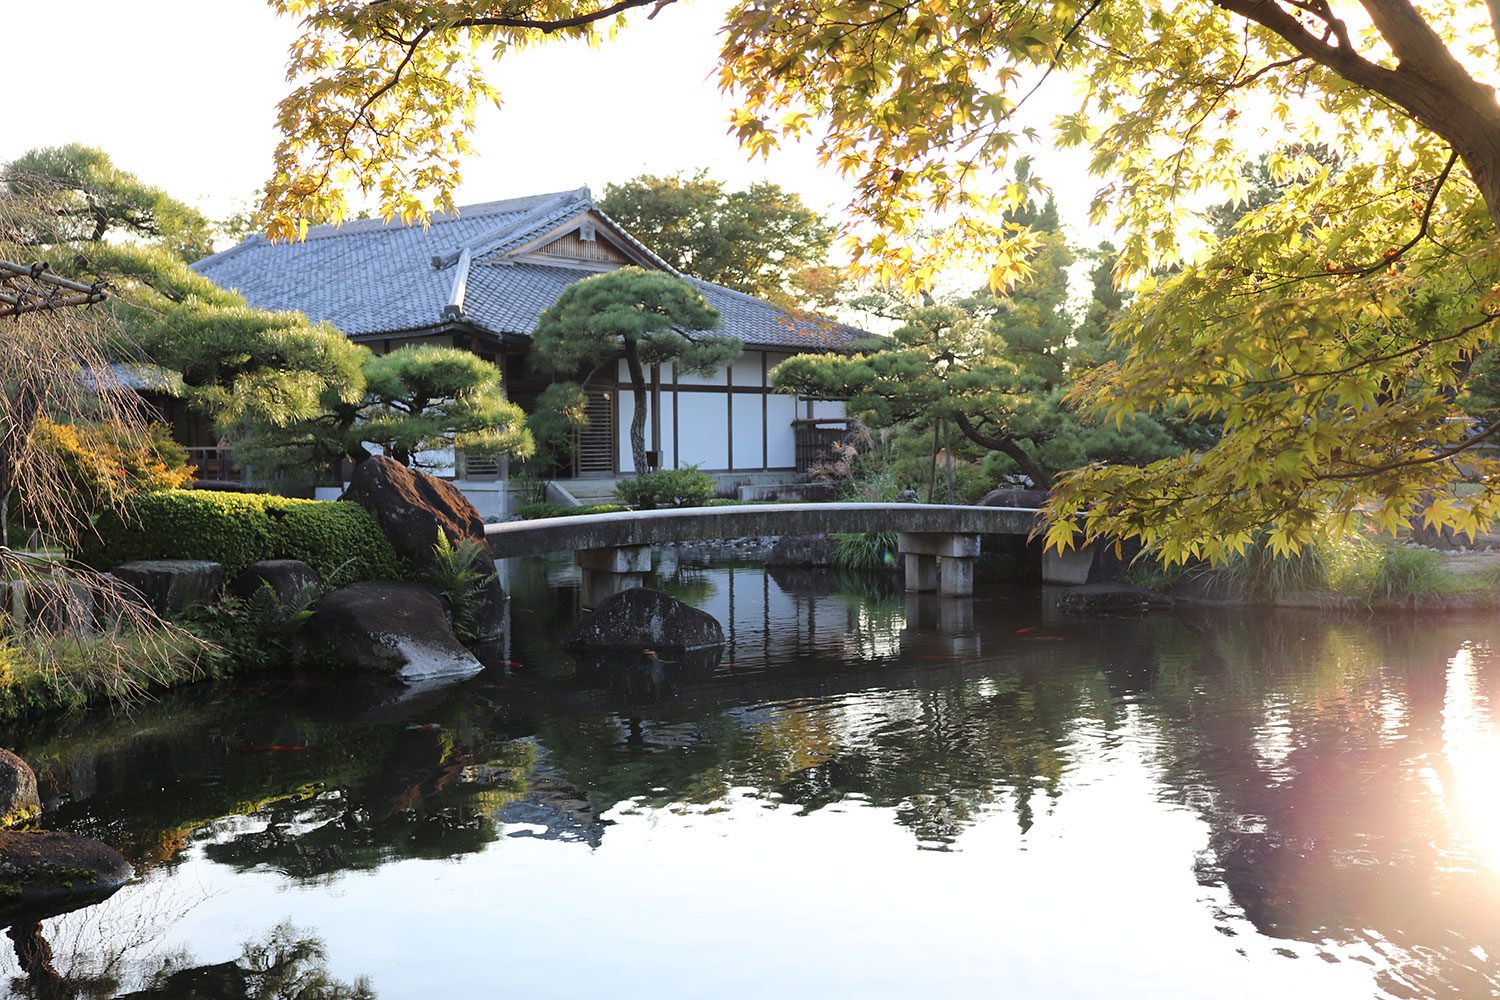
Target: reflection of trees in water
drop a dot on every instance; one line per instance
(287, 964)
(1311, 749)
(939, 754)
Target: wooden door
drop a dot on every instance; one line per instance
(595, 453)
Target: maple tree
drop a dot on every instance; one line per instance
(1330, 331)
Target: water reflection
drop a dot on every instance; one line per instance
(1336, 778)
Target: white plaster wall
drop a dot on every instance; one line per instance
(668, 442)
(781, 442)
(702, 420)
(824, 409)
(747, 432)
(746, 368)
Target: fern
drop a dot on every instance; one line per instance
(454, 574)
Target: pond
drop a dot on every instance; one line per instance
(870, 796)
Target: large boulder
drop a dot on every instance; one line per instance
(1112, 598)
(289, 578)
(1014, 496)
(802, 550)
(172, 586)
(18, 798)
(412, 508)
(45, 873)
(390, 627)
(646, 619)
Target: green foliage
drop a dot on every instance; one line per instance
(685, 487)
(94, 200)
(649, 317)
(990, 375)
(453, 571)
(654, 315)
(257, 633)
(273, 381)
(864, 551)
(1330, 332)
(547, 508)
(1405, 574)
(427, 398)
(1262, 573)
(560, 412)
(763, 240)
(339, 540)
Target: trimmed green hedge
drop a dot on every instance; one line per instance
(340, 540)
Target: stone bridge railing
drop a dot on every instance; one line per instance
(938, 541)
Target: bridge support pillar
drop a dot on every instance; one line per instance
(941, 562)
(606, 572)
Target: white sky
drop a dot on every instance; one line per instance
(183, 94)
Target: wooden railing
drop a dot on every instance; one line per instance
(215, 465)
(816, 440)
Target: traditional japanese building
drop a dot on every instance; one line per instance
(480, 277)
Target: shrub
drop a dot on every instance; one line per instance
(685, 487)
(340, 540)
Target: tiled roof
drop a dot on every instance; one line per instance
(508, 298)
(371, 277)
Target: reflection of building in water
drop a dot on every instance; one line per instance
(772, 617)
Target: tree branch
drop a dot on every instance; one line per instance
(559, 24)
(1006, 445)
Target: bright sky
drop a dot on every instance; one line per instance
(185, 98)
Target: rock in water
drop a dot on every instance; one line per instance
(411, 508)
(46, 873)
(18, 798)
(1112, 598)
(390, 627)
(172, 586)
(288, 577)
(646, 619)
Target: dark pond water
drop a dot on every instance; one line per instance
(870, 796)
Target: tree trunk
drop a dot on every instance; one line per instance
(1009, 447)
(638, 418)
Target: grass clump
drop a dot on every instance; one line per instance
(1403, 574)
(863, 551)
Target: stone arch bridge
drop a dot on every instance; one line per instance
(939, 542)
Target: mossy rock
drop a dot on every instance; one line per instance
(45, 873)
(18, 798)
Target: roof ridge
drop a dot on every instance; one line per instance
(542, 211)
(637, 244)
(355, 227)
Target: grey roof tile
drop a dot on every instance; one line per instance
(371, 277)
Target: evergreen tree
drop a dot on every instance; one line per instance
(646, 317)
